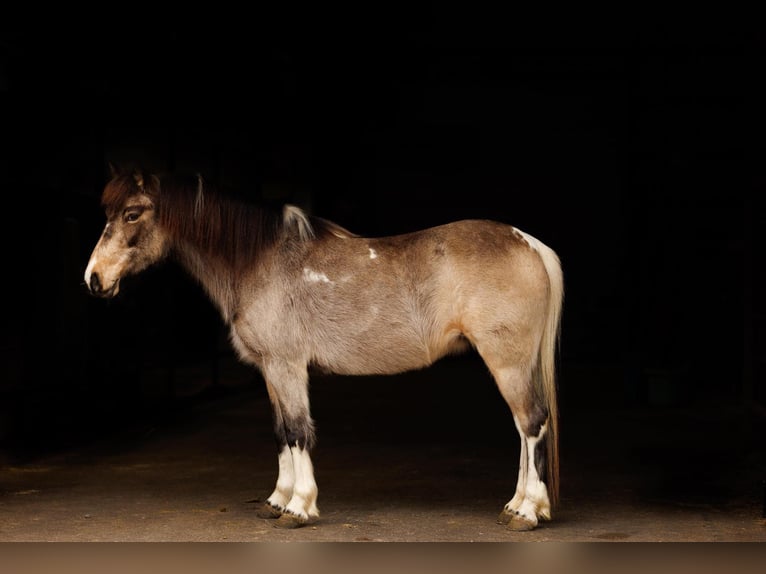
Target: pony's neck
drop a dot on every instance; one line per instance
(215, 276)
(216, 238)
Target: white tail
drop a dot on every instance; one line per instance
(546, 372)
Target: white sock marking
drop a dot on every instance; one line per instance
(303, 502)
(285, 481)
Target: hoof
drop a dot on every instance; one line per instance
(268, 511)
(518, 523)
(515, 522)
(290, 521)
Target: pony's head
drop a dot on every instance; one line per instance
(132, 239)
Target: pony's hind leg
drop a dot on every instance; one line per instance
(293, 501)
(530, 502)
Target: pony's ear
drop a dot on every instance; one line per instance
(113, 170)
(154, 184)
(139, 178)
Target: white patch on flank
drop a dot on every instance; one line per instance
(373, 253)
(314, 277)
(533, 242)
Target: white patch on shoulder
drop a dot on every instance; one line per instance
(533, 242)
(373, 253)
(314, 277)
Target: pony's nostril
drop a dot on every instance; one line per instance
(95, 283)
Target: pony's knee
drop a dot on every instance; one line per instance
(300, 433)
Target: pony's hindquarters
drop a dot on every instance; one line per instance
(515, 329)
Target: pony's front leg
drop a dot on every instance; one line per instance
(276, 503)
(293, 501)
(302, 508)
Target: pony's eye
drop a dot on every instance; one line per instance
(132, 215)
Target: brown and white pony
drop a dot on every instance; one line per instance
(297, 291)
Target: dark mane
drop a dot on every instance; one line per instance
(221, 223)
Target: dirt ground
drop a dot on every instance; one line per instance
(428, 456)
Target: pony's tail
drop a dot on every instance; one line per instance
(547, 367)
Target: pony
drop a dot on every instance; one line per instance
(297, 291)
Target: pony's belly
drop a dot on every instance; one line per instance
(389, 357)
(375, 364)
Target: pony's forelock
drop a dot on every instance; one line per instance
(122, 186)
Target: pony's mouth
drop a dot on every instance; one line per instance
(105, 293)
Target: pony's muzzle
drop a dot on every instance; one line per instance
(95, 284)
(96, 287)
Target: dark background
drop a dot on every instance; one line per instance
(630, 146)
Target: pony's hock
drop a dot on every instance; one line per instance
(297, 291)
